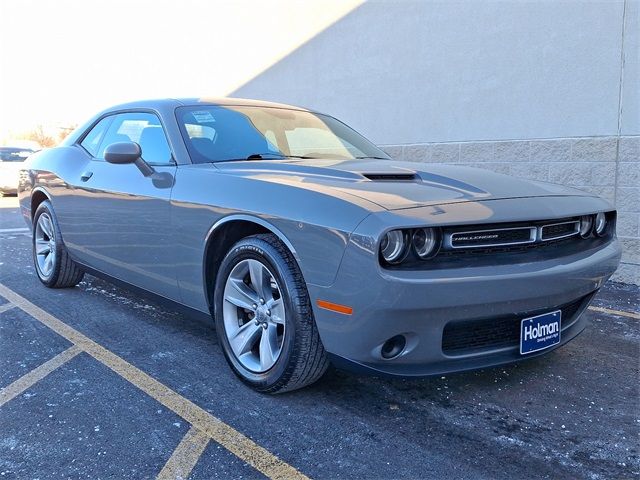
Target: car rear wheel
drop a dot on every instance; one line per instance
(264, 319)
(53, 265)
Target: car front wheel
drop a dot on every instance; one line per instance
(264, 319)
(53, 265)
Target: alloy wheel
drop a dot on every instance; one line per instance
(254, 315)
(45, 245)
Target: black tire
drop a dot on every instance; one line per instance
(65, 273)
(303, 359)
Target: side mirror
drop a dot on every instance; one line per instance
(122, 153)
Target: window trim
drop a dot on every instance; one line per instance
(172, 161)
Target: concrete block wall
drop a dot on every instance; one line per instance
(606, 166)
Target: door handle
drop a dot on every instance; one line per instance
(86, 176)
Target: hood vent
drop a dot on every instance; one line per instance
(391, 177)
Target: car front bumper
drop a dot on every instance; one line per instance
(420, 304)
(8, 180)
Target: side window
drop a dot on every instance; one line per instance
(144, 129)
(91, 142)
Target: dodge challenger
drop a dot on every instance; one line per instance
(308, 245)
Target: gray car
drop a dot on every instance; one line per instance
(308, 245)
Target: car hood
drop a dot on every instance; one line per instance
(396, 185)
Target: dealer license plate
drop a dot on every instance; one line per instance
(540, 332)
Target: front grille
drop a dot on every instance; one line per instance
(514, 236)
(473, 336)
(494, 237)
(559, 230)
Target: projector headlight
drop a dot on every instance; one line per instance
(586, 224)
(601, 224)
(393, 246)
(425, 242)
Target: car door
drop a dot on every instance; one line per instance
(120, 223)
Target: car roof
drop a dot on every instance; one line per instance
(170, 103)
(15, 149)
(166, 107)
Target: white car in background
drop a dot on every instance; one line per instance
(11, 159)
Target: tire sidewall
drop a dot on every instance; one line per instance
(257, 249)
(45, 207)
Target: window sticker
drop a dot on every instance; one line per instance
(203, 116)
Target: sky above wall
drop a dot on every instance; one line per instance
(62, 61)
(399, 71)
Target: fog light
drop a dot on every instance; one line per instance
(393, 347)
(601, 224)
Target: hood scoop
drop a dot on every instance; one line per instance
(391, 177)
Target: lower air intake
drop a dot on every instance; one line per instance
(473, 336)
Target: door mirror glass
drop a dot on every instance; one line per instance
(122, 152)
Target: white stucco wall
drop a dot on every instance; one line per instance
(630, 114)
(410, 72)
(546, 90)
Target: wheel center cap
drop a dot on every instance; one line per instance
(261, 314)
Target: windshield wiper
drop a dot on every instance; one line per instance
(275, 156)
(266, 156)
(280, 156)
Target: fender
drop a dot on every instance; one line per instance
(259, 221)
(247, 218)
(27, 210)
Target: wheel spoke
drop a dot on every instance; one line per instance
(245, 338)
(47, 228)
(258, 280)
(241, 294)
(268, 347)
(42, 247)
(277, 310)
(48, 264)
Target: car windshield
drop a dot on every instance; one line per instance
(8, 154)
(217, 134)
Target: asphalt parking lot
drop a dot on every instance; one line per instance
(98, 383)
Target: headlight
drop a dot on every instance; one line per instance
(425, 242)
(393, 247)
(586, 224)
(601, 224)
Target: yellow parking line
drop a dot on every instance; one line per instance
(616, 312)
(231, 439)
(185, 456)
(16, 388)
(6, 306)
